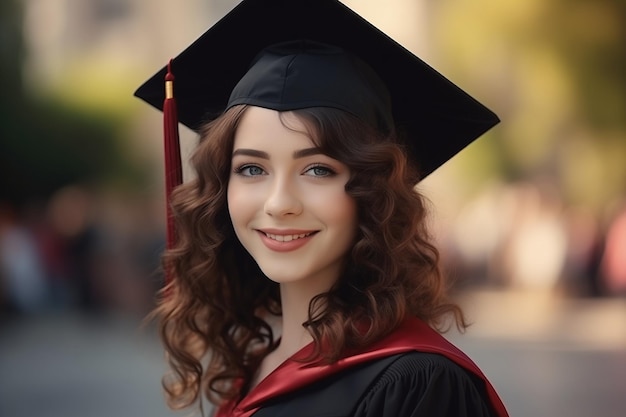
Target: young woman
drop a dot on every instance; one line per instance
(303, 279)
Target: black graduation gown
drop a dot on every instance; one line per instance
(413, 371)
(412, 384)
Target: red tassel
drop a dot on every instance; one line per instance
(173, 168)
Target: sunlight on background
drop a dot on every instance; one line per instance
(531, 218)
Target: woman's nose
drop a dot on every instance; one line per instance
(283, 199)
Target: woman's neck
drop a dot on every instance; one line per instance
(295, 311)
(293, 335)
(295, 300)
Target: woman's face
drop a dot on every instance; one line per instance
(287, 201)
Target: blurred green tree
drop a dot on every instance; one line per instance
(47, 142)
(555, 71)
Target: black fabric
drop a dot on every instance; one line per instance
(414, 384)
(336, 395)
(301, 74)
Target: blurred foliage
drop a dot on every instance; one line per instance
(555, 72)
(50, 140)
(48, 144)
(590, 35)
(11, 53)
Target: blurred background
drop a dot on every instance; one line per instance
(531, 218)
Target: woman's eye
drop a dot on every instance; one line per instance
(249, 170)
(320, 171)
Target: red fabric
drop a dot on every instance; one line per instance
(412, 335)
(173, 166)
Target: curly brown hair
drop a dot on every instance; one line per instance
(214, 313)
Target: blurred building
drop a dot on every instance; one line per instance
(144, 33)
(120, 33)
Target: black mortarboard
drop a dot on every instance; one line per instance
(437, 118)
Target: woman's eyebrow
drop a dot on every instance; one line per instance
(252, 152)
(306, 152)
(301, 153)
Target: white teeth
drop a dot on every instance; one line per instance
(286, 238)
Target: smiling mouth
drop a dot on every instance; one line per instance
(287, 238)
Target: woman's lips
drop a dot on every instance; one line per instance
(285, 241)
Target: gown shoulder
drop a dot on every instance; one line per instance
(424, 384)
(404, 385)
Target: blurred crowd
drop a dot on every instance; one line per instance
(100, 253)
(80, 251)
(523, 236)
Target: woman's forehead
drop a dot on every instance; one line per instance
(269, 129)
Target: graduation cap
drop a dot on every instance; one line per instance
(290, 54)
